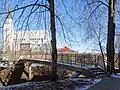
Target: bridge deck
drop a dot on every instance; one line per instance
(70, 66)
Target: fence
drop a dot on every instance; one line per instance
(82, 59)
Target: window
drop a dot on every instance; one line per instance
(42, 40)
(38, 44)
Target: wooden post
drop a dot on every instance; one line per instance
(119, 59)
(84, 58)
(98, 59)
(30, 74)
(30, 71)
(61, 73)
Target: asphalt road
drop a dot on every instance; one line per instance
(107, 83)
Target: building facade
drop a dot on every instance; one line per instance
(17, 40)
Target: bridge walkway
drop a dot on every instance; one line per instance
(89, 70)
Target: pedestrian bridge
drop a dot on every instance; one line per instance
(66, 65)
(87, 70)
(24, 65)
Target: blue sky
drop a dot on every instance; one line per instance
(72, 34)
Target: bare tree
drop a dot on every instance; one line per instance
(95, 29)
(111, 29)
(53, 41)
(29, 12)
(111, 35)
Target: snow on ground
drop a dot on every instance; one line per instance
(23, 86)
(42, 60)
(116, 75)
(85, 87)
(68, 84)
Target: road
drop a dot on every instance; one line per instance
(108, 83)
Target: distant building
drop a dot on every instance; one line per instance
(65, 50)
(21, 40)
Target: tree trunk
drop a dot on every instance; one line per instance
(110, 36)
(103, 58)
(119, 58)
(53, 41)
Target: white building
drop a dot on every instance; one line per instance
(13, 39)
(8, 33)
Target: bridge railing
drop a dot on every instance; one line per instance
(82, 59)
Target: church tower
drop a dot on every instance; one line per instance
(8, 32)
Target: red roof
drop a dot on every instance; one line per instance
(65, 49)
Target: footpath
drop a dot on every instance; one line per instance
(108, 83)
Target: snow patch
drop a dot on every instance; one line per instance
(116, 75)
(85, 87)
(20, 86)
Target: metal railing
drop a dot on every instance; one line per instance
(81, 59)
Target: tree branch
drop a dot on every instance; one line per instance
(40, 5)
(94, 11)
(98, 2)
